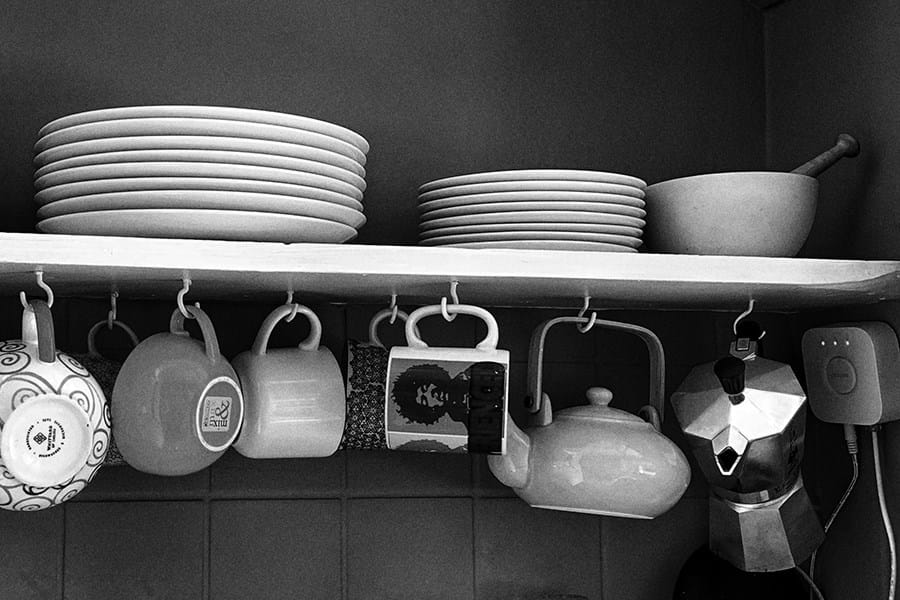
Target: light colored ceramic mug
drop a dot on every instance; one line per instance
(176, 404)
(54, 420)
(447, 399)
(295, 398)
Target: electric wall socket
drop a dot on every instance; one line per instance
(853, 372)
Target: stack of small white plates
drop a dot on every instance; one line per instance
(201, 172)
(547, 209)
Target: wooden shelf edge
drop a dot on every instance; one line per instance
(151, 268)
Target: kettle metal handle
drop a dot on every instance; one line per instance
(654, 347)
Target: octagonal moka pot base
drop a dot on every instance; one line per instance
(766, 536)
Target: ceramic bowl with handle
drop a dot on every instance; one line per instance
(54, 419)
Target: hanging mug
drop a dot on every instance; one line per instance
(54, 420)
(447, 399)
(176, 404)
(294, 397)
(105, 371)
(366, 374)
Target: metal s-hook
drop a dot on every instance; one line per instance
(455, 296)
(393, 308)
(587, 326)
(185, 287)
(111, 315)
(743, 316)
(39, 275)
(294, 305)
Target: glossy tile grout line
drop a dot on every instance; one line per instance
(61, 565)
(61, 569)
(207, 542)
(344, 524)
(473, 506)
(601, 589)
(344, 533)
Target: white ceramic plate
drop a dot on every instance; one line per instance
(203, 200)
(530, 174)
(197, 143)
(527, 216)
(532, 185)
(530, 226)
(128, 184)
(206, 156)
(195, 169)
(548, 245)
(189, 126)
(209, 112)
(474, 209)
(201, 224)
(518, 236)
(536, 196)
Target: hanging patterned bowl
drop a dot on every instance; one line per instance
(54, 419)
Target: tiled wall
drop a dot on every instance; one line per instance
(365, 524)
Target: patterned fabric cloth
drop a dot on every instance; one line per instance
(105, 372)
(366, 377)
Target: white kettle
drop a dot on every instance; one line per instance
(594, 459)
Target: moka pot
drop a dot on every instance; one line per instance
(745, 418)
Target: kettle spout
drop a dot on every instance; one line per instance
(512, 468)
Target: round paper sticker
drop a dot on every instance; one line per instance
(220, 412)
(46, 440)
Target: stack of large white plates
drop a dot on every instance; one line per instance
(548, 209)
(202, 172)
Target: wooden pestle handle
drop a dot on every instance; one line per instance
(846, 145)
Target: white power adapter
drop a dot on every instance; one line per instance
(853, 372)
(853, 377)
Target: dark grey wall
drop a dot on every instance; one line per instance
(657, 89)
(835, 66)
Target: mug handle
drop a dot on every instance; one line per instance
(265, 331)
(380, 316)
(488, 343)
(92, 333)
(176, 326)
(37, 329)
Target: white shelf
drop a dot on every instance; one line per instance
(88, 266)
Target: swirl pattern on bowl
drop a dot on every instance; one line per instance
(22, 378)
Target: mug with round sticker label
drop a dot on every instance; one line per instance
(217, 425)
(176, 402)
